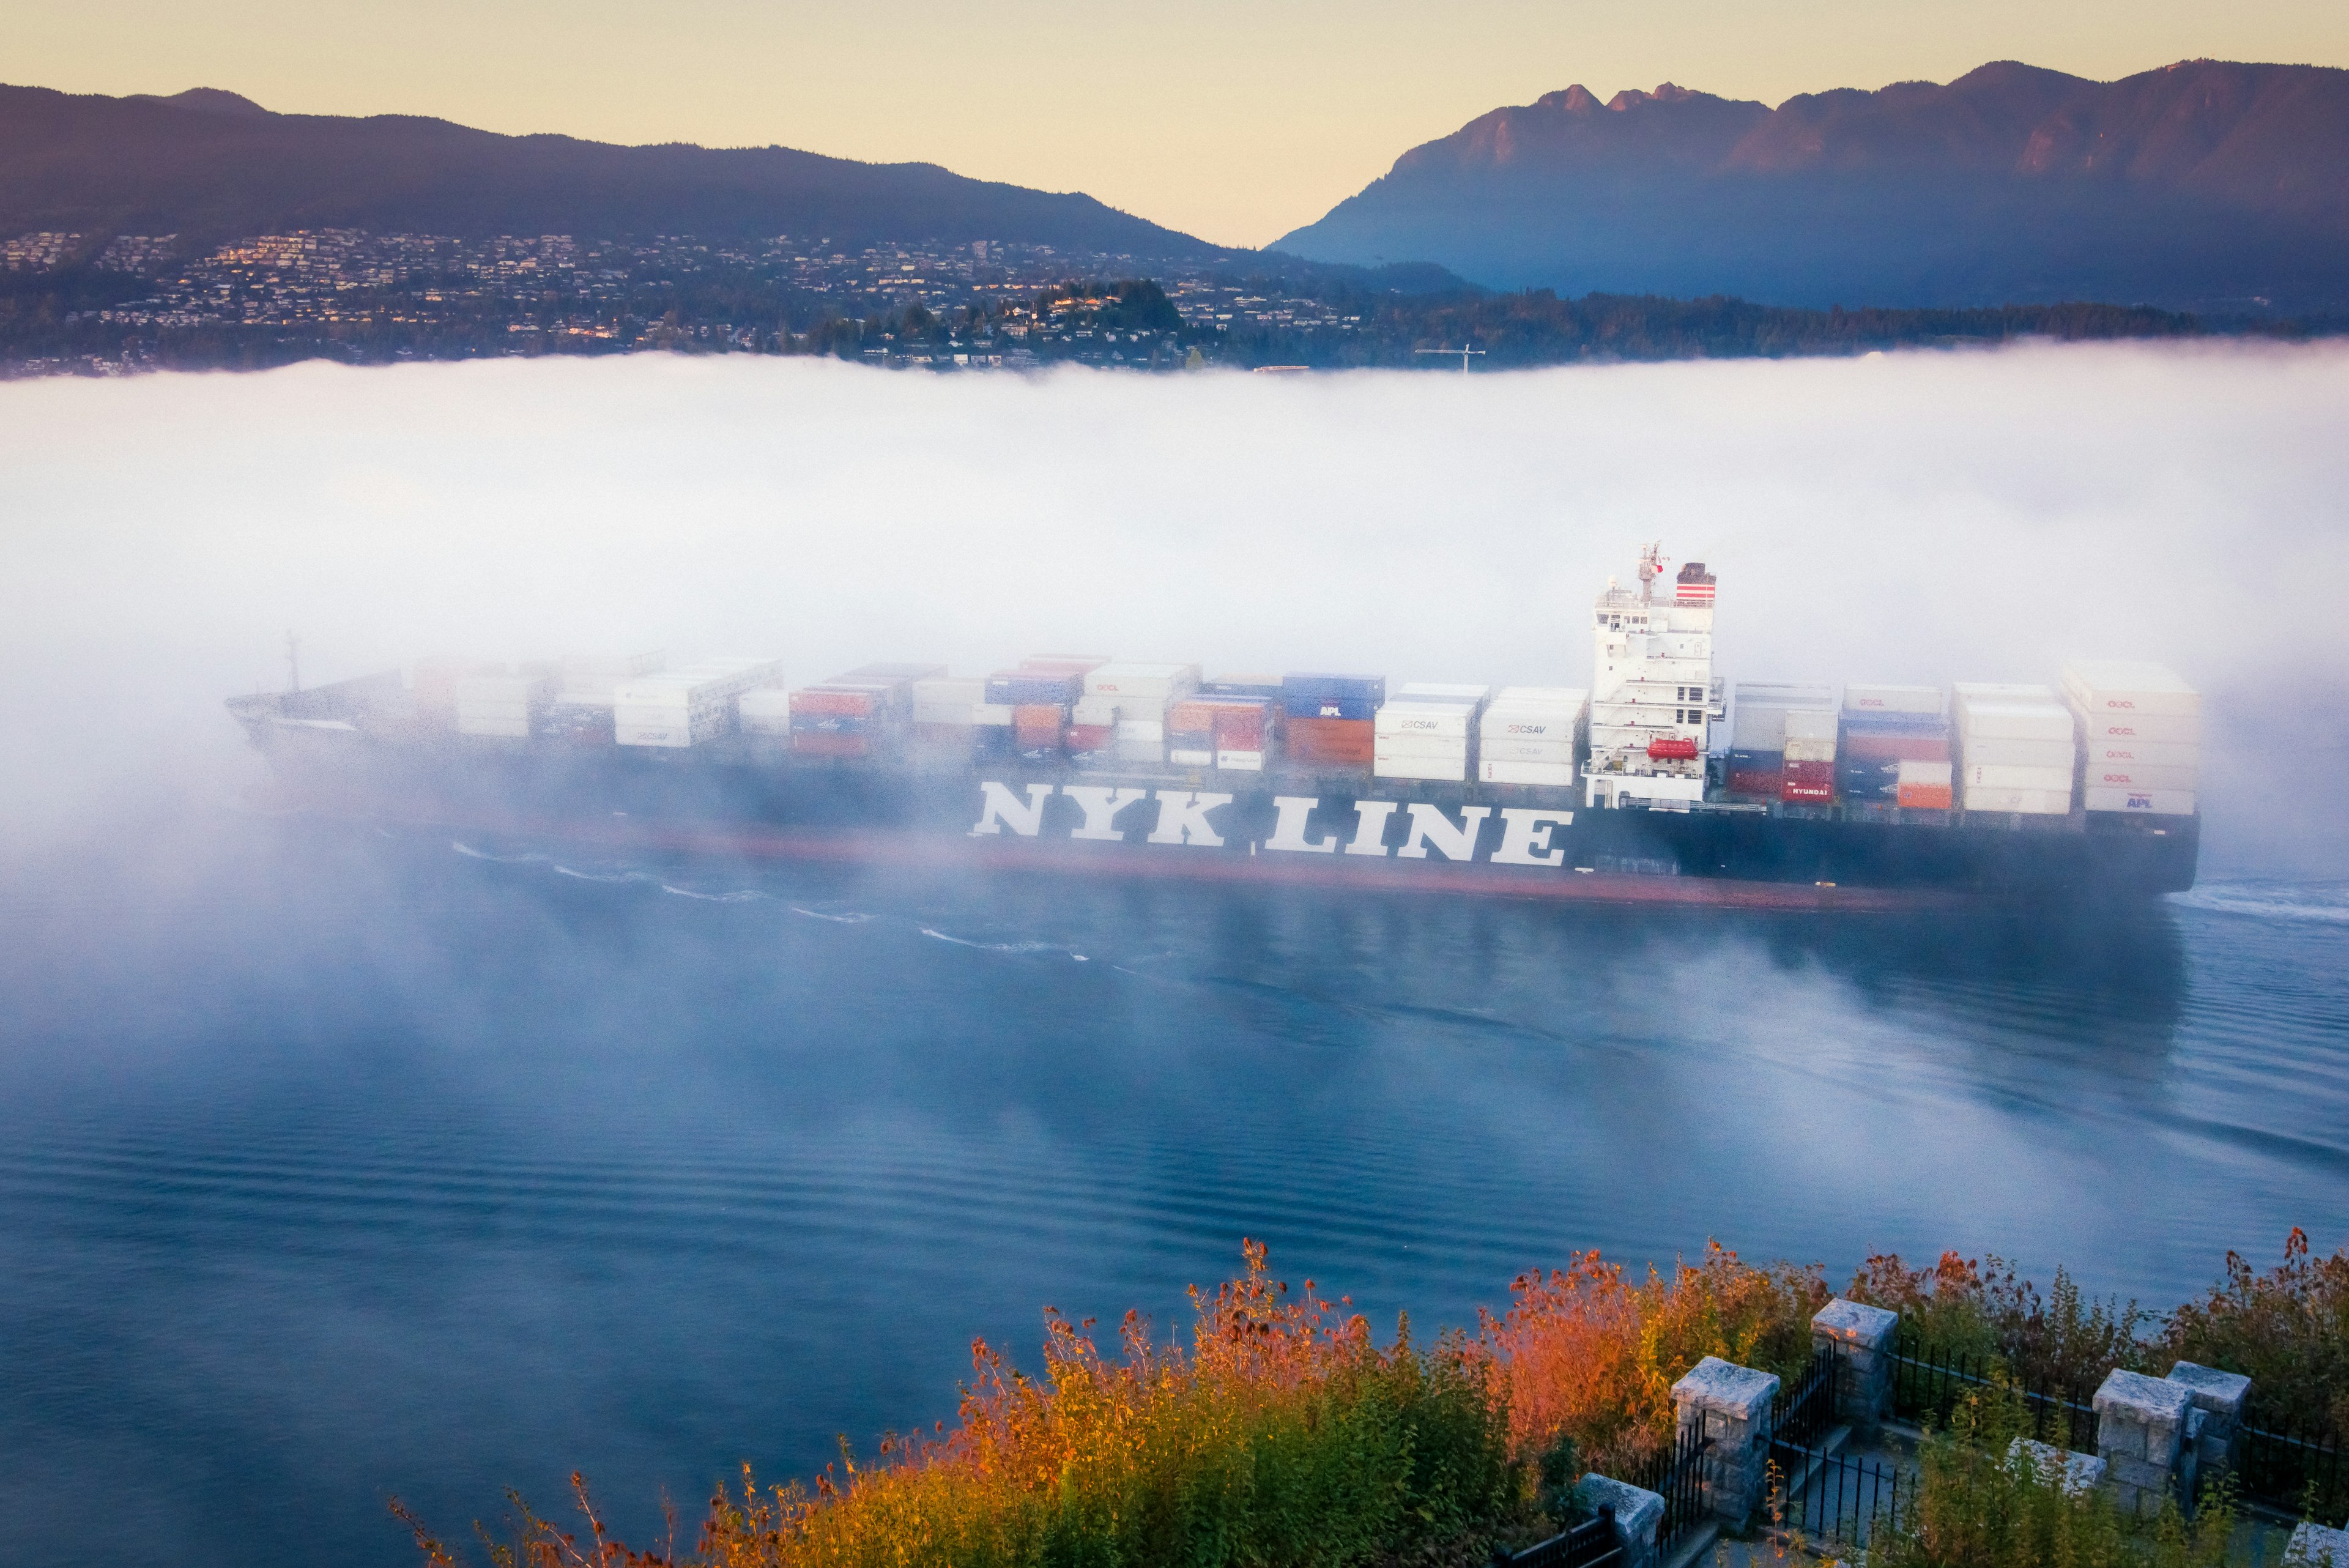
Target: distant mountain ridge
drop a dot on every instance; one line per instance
(210, 164)
(2206, 184)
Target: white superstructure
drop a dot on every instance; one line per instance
(1652, 694)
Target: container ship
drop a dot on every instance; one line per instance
(1658, 781)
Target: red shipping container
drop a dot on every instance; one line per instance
(1240, 728)
(1090, 737)
(1895, 747)
(849, 701)
(1345, 743)
(822, 744)
(1763, 782)
(1807, 780)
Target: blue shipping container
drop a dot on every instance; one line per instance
(1868, 778)
(837, 724)
(1267, 690)
(1370, 689)
(1308, 707)
(1025, 687)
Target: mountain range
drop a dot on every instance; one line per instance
(211, 165)
(2203, 185)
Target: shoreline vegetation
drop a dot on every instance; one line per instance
(1287, 1432)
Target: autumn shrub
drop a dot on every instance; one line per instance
(1283, 1434)
(2287, 1329)
(2062, 1342)
(1588, 1356)
(1985, 1501)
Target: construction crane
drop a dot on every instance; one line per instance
(1463, 351)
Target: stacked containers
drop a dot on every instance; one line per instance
(860, 714)
(1131, 700)
(1757, 733)
(581, 712)
(1424, 730)
(1038, 696)
(502, 705)
(1807, 761)
(1528, 735)
(2140, 731)
(433, 685)
(1331, 721)
(2015, 747)
(1895, 747)
(690, 706)
(766, 712)
(943, 712)
(1218, 730)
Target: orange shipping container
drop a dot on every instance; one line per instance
(1344, 742)
(1935, 797)
(821, 744)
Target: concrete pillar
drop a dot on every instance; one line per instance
(1638, 1515)
(2220, 1395)
(1731, 1405)
(2318, 1546)
(1863, 1338)
(2141, 1436)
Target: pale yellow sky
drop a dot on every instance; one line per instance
(1232, 121)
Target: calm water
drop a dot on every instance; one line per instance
(335, 1166)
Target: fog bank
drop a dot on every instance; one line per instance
(1923, 517)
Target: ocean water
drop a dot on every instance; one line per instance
(337, 1165)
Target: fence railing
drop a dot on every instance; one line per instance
(1837, 1497)
(1928, 1384)
(1676, 1475)
(1589, 1544)
(1804, 1410)
(2292, 1470)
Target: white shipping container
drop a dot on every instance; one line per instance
(1419, 768)
(2129, 686)
(1501, 724)
(1448, 719)
(1919, 771)
(1785, 694)
(2016, 721)
(2145, 802)
(1800, 748)
(1242, 762)
(2143, 754)
(1100, 710)
(1925, 700)
(1557, 774)
(2136, 776)
(984, 713)
(1493, 749)
(1438, 691)
(1967, 693)
(765, 712)
(1124, 750)
(2020, 754)
(1811, 724)
(1995, 776)
(2029, 802)
(651, 731)
(2167, 729)
(942, 713)
(1188, 757)
(1153, 730)
(1420, 746)
(1130, 680)
(948, 692)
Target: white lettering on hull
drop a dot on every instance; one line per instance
(1101, 805)
(1183, 818)
(1370, 827)
(1525, 836)
(999, 808)
(1428, 825)
(1288, 833)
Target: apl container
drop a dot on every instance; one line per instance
(1312, 696)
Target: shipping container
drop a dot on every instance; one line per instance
(1925, 786)
(1016, 687)
(1525, 750)
(1093, 710)
(1558, 776)
(858, 701)
(1266, 688)
(1926, 701)
(1416, 767)
(2144, 802)
(1241, 726)
(945, 700)
(1123, 682)
(1337, 742)
(1401, 717)
(1440, 692)
(2021, 753)
(1085, 739)
(830, 744)
(1192, 756)
(2166, 728)
(1964, 694)
(890, 674)
(1150, 730)
(1312, 696)
(838, 724)
(1785, 693)
(2028, 802)
(1995, 776)
(1415, 745)
(1802, 748)
(2098, 754)
(1240, 761)
(1811, 724)
(2136, 776)
(2016, 721)
(765, 712)
(1891, 745)
(1806, 781)
(2127, 686)
(1076, 664)
(687, 706)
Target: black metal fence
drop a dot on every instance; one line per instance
(1928, 1384)
(1676, 1475)
(2295, 1470)
(1837, 1497)
(1804, 1410)
(1589, 1544)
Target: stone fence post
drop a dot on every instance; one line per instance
(2145, 1431)
(1637, 1514)
(1863, 1337)
(1731, 1405)
(2220, 1396)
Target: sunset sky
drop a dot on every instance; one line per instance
(1237, 122)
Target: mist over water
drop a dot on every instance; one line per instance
(335, 1164)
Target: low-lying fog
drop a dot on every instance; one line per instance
(1923, 516)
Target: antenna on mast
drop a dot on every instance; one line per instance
(1651, 567)
(1463, 351)
(292, 663)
